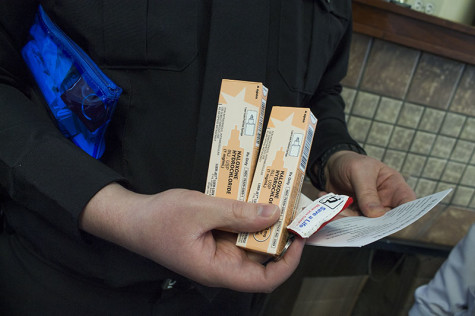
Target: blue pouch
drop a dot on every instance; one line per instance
(79, 95)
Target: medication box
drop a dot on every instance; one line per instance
(279, 174)
(236, 138)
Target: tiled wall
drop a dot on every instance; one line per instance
(416, 112)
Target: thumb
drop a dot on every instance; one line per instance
(237, 216)
(367, 195)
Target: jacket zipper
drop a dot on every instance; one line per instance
(81, 60)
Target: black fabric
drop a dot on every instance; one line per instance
(30, 285)
(169, 57)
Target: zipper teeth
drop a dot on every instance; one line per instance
(111, 89)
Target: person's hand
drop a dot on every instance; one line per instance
(175, 228)
(376, 187)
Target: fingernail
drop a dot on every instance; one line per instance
(376, 207)
(267, 210)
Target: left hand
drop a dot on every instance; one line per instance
(376, 187)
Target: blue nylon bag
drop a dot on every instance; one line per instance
(79, 95)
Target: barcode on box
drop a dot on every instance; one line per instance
(243, 191)
(261, 118)
(242, 238)
(306, 149)
(275, 239)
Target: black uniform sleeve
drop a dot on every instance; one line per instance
(39, 168)
(328, 105)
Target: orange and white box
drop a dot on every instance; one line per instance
(236, 138)
(279, 174)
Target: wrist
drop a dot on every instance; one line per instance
(333, 158)
(108, 214)
(322, 168)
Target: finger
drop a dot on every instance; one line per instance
(232, 238)
(321, 193)
(350, 212)
(394, 190)
(406, 194)
(364, 184)
(254, 277)
(338, 217)
(254, 256)
(258, 257)
(283, 269)
(403, 193)
(237, 216)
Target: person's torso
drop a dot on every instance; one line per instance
(169, 57)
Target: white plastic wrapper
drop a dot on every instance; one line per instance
(318, 214)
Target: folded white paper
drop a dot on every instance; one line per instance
(358, 231)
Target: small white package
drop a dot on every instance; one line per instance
(318, 214)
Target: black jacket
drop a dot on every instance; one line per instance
(169, 57)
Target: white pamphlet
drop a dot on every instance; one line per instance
(358, 231)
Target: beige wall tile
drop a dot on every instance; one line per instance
(425, 187)
(434, 81)
(442, 186)
(401, 138)
(422, 143)
(389, 69)
(453, 172)
(464, 100)
(394, 159)
(443, 146)
(358, 128)
(453, 124)
(379, 134)
(374, 151)
(360, 44)
(468, 131)
(432, 120)
(469, 176)
(463, 151)
(348, 95)
(434, 168)
(414, 165)
(411, 181)
(410, 115)
(365, 104)
(463, 196)
(388, 110)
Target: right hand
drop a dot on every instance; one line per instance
(376, 187)
(175, 228)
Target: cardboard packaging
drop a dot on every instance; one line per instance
(279, 174)
(236, 138)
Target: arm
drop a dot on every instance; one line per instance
(49, 175)
(328, 105)
(39, 168)
(452, 290)
(338, 164)
(175, 228)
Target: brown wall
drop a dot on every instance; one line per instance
(415, 111)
